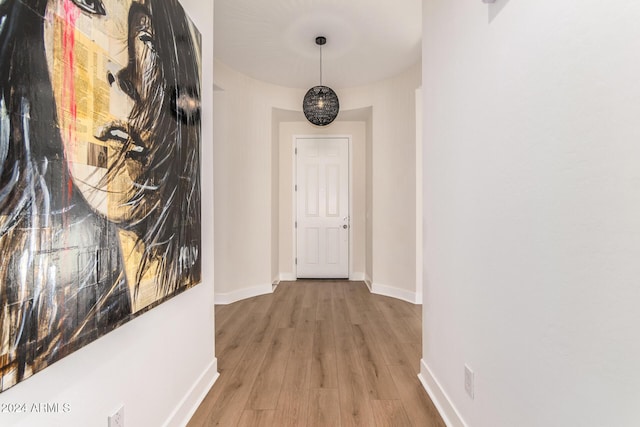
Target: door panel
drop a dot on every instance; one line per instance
(322, 176)
(312, 236)
(333, 191)
(312, 191)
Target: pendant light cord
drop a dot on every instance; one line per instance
(320, 65)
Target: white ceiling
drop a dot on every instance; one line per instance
(274, 40)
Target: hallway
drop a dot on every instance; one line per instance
(318, 353)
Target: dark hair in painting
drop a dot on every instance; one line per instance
(26, 107)
(31, 217)
(62, 275)
(166, 203)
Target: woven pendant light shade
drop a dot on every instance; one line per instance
(320, 104)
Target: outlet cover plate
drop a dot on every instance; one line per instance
(469, 381)
(117, 418)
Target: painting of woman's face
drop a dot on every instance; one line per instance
(100, 183)
(107, 111)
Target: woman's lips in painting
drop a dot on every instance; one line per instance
(123, 134)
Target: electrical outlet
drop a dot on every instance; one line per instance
(117, 418)
(469, 381)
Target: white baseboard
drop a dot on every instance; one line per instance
(368, 281)
(291, 277)
(240, 294)
(288, 277)
(389, 291)
(357, 277)
(443, 404)
(196, 394)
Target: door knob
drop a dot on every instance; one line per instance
(345, 226)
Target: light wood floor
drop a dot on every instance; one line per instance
(318, 353)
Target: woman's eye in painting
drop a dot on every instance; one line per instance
(143, 29)
(147, 39)
(94, 7)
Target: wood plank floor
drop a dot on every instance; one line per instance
(318, 353)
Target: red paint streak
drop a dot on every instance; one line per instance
(69, 103)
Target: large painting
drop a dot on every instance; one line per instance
(99, 170)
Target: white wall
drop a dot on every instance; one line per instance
(245, 185)
(532, 211)
(419, 199)
(157, 365)
(244, 165)
(393, 176)
(368, 159)
(275, 199)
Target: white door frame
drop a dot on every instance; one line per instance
(295, 196)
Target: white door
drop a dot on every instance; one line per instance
(322, 194)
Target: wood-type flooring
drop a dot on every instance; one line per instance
(318, 353)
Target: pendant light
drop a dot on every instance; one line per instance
(320, 104)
